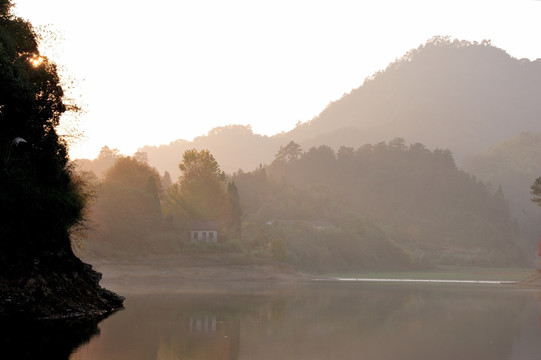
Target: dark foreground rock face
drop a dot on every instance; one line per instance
(55, 287)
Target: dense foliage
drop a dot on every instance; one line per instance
(40, 199)
(127, 210)
(200, 191)
(383, 206)
(514, 164)
(137, 211)
(422, 202)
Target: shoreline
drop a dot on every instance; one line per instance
(435, 281)
(237, 272)
(194, 273)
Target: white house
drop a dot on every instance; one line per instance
(204, 231)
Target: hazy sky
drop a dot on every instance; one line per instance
(150, 72)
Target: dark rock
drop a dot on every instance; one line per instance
(64, 288)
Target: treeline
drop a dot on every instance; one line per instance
(383, 206)
(421, 202)
(137, 211)
(514, 164)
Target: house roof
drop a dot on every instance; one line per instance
(204, 225)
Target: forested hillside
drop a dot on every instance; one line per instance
(514, 164)
(133, 216)
(445, 94)
(419, 199)
(377, 207)
(455, 95)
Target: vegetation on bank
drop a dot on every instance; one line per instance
(514, 165)
(379, 207)
(41, 197)
(432, 211)
(458, 218)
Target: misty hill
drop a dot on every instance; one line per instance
(446, 94)
(133, 216)
(378, 207)
(235, 147)
(436, 213)
(514, 164)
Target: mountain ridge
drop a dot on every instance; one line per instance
(422, 93)
(447, 94)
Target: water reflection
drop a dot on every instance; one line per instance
(44, 339)
(326, 321)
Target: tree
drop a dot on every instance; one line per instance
(166, 181)
(398, 144)
(199, 165)
(141, 156)
(108, 154)
(290, 152)
(131, 172)
(40, 201)
(128, 208)
(200, 189)
(535, 190)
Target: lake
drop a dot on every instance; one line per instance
(325, 320)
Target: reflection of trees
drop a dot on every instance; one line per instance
(45, 339)
(320, 321)
(193, 327)
(393, 322)
(203, 336)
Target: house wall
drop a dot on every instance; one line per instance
(204, 236)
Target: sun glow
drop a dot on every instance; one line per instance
(36, 61)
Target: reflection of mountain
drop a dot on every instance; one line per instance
(45, 339)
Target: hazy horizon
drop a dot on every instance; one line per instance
(195, 66)
(212, 131)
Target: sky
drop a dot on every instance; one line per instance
(151, 72)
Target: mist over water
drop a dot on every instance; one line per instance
(326, 320)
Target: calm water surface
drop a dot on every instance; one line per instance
(325, 320)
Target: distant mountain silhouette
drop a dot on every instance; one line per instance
(448, 94)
